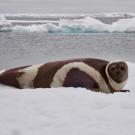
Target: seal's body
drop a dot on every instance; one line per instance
(93, 74)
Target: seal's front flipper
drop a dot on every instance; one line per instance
(124, 90)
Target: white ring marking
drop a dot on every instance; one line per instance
(26, 79)
(60, 75)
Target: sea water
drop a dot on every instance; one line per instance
(18, 48)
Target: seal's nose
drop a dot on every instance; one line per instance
(118, 72)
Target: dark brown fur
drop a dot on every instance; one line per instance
(78, 78)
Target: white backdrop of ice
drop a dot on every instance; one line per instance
(67, 111)
(86, 25)
(124, 14)
(4, 24)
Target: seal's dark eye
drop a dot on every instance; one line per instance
(122, 68)
(113, 68)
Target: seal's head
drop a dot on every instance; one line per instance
(118, 71)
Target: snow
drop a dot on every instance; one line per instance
(67, 111)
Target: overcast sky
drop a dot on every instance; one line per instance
(66, 6)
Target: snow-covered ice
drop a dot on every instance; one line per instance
(124, 14)
(85, 25)
(4, 24)
(67, 111)
(67, 23)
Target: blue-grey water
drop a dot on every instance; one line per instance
(17, 49)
